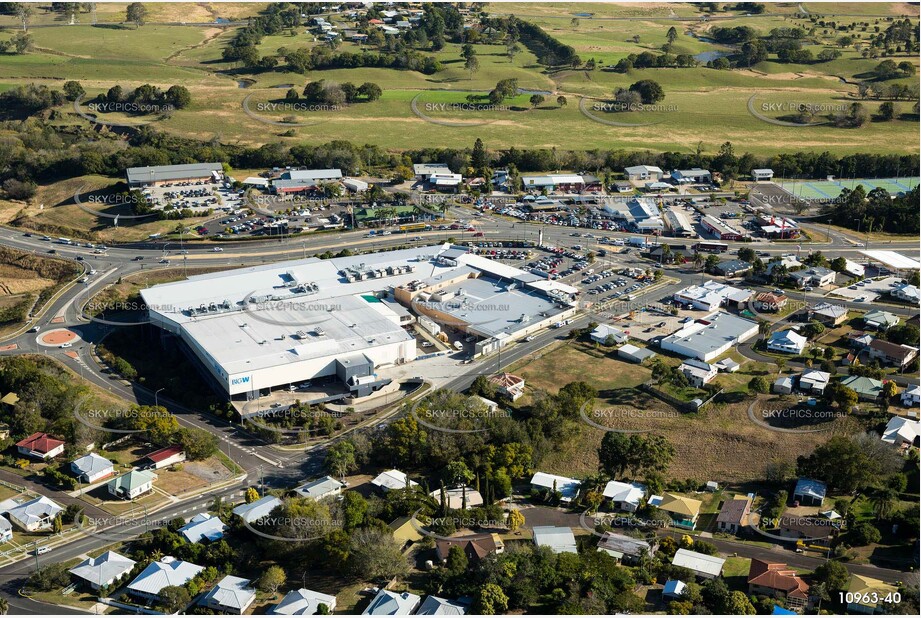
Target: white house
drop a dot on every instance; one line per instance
(131, 485)
(704, 566)
(6, 530)
(304, 602)
(203, 527)
(643, 172)
(392, 479)
(624, 496)
(162, 573)
(853, 268)
(436, 606)
(91, 468)
(911, 396)
(901, 431)
(786, 341)
(906, 292)
(387, 603)
(568, 488)
(763, 174)
(103, 570)
(326, 487)
(558, 538)
(258, 509)
(698, 372)
(36, 514)
(231, 595)
(783, 385)
(603, 331)
(814, 381)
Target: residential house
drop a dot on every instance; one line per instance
(762, 174)
(880, 320)
(304, 602)
(604, 333)
(683, 511)
(806, 528)
(911, 396)
(326, 487)
(91, 468)
(392, 479)
(867, 389)
(40, 446)
(159, 574)
(731, 268)
(387, 603)
(727, 365)
(131, 485)
(694, 175)
(788, 261)
(902, 432)
(854, 269)
(734, 515)
(768, 301)
(673, 590)
(787, 342)
(783, 385)
(474, 547)
(6, 530)
(828, 314)
(164, 457)
(698, 372)
(558, 538)
(778, 581)
(809, 492)
(258, 509)
(405, 531)
(231, 595)
(103, 570)
(436, 606)
(907, 293)
(509, 385)
(634, 354)
(869, 595)
(859, 341)
(567, 487)
(703, 565)
(626, 549)
(35, 515)
(203, 527)
(898, 355)
(813, 381)
(459, 497)
(624, 496)
(816, 276)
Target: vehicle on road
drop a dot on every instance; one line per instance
(44, 549)
(217, 250)
(138, 258)
(530, 338)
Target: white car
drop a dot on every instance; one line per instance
(44, 549)
(217, 250)
(530, 338)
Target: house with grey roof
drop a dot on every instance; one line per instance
(810, 492)
(91, 468)
(558, 538)
(304, 602)
(388, 603)
(103, 570)
(626, 549)
(131, 485)
(816, 276)
(258, 509)
(159, 574)
(6, 530)
(436, 606)
(867, 389)
(203, 527)
(880, 320)
(231, 595)
(36, 514)
(326, 487)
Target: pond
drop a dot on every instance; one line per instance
(707, 56)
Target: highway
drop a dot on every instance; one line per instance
(261, 462)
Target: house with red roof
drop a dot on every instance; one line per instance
(164, 457)
(778, 581)
(40, 446)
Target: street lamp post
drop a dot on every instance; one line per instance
(156, 399)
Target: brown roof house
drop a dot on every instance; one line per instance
(40, 446)
(734, 515)
(474, 547)
(892, 353)
(768, 301)
(778, 581)
(507, 384)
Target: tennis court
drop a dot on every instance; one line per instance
(830, 189)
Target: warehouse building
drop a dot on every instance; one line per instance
(158, 175)
(709, 337)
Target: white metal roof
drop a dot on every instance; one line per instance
(304, 602)
(166, 572)
(893, 259)
(102, 569)
(392, 479)
(698, 562)
(557, 538)
(233, 592)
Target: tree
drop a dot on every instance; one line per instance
(375, 555)
(252, 494)
(864, 534)
(174, 598)
(57, 525)
(650, 91)
(536, 100)
(472, 65)
(759, 384)
(340, 458)
(514, 520)
(490, 600)
(73, 90)
(887, 111)
(370, 91)
(272, 579)
(4, 606)
(136, 13)
(457, 473)
(561, 101)
(671, 35)
(24, 13)
(890, 389)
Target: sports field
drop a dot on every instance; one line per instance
(828, 189)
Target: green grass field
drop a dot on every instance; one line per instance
(704, 106)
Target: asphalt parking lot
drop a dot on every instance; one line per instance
(197, 196)
(867, 290)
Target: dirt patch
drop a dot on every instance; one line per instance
(210, 470)
(178, 482)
